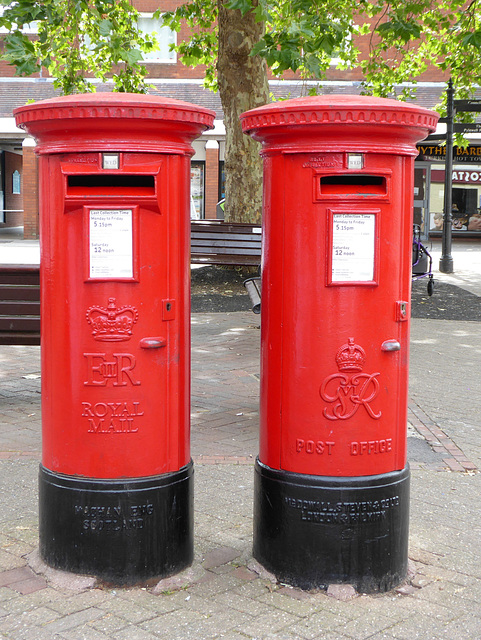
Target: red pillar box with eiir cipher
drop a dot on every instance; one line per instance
(332, 479)
(116, 495)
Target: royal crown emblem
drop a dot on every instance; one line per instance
(350, 357)
(112, 324)
(346, 391)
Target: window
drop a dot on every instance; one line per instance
(165, 37)
(16, 182)
(221, 180)
(197, 188)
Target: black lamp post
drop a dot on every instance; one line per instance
(446, 260)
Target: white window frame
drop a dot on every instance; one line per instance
(157, 56)
(16, 183)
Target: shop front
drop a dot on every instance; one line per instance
(466, 190)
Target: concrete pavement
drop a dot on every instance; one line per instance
(225, 594)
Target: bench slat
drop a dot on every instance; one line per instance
(221, 240)
(228, 251)
(226, 260)
(19, 323)
(15, 338)
(19, 308)
(20, 279)
(10, 292)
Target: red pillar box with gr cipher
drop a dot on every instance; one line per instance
(332, 481)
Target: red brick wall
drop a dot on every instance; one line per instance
(30, 193)
(211, 180)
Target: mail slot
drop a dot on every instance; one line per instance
(116, 496)
(353, 184)
(108, 185)
(332, 481)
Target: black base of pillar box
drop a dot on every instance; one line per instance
(122, 531)
(312, 531)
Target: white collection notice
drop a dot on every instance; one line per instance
(353, 246)
(110, 246)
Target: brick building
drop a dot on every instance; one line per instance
(170, 78)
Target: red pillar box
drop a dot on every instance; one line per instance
(332, 481)
(116, 476)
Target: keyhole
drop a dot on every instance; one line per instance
(168, 306)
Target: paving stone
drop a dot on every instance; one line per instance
(108, 624)
(86, 632)
(245, 574)
(30, 586)
(271, 623)
(129, 611)
(342, 592)
(74, 620)
(364, 627)
(233, 600)
(220, 556)
(279, 600)
(20, 574)
(317, 623)
(420, 627)
(156, 605)
(189, 576)
(178, 620)
(133, 633)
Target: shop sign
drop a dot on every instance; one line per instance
(463, 176)
(437, 153)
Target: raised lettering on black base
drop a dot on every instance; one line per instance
(123, 531)
(312, 531)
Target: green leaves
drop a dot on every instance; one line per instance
(472, 39)
(405, 30)
(76, 40)
(240, 5)
(399, 39)
(105, 28)
(410, 36)
(21, 53)
(306, 36)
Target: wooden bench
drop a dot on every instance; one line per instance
(19, 304)
(225, 243)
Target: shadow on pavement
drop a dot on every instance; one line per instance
(448, 302)
(220, 289)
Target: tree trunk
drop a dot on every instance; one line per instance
(242, 85)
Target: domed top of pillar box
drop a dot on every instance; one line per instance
(113, 121)
(339, 123)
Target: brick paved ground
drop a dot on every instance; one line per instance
(225, 386)
(225, 594)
